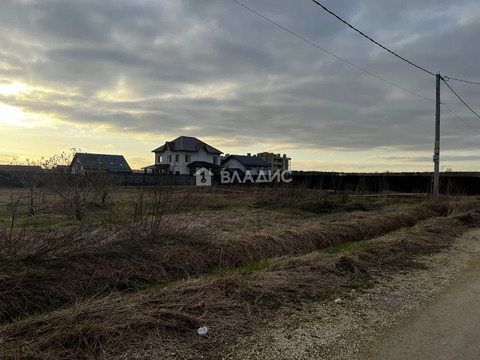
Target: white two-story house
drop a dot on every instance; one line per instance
(184, 156)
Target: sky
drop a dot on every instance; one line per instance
(125, 76)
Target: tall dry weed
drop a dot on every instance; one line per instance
(162, 214)
(162, 322)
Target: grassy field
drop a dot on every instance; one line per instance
(144, 268)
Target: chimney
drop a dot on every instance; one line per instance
(249, 154)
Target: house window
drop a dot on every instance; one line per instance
(177, 158)
(169, 158)
(160, 159)
(215, 160)
(188, 158)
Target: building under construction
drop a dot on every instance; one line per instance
(278, 162)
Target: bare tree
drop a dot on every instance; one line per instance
(77, 191)
(29, 174)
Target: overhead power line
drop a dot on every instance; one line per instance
(329, 52)
(461, 80)
(375, 42)
(460, 118)
(458, 96)
(387, 49)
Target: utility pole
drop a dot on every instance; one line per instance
(436, 149)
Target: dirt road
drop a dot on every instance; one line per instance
(448, 328)
(432, 312)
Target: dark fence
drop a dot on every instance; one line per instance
(10, 179)
(154, 179)
(450, 183)
(18, 179)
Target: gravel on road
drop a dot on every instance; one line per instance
(353, 323)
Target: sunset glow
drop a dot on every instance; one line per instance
(124, 78)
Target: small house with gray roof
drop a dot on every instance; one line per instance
(185, 156)
(245, 164)
(84, 163)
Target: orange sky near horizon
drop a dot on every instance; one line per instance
(35, 135)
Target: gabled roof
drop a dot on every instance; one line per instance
(187, 143)
(246, 160)
(115, 163)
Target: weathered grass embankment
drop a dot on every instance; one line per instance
(252, 278)
(34, 284)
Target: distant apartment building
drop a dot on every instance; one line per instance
(277, 161)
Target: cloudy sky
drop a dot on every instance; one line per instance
(124, 76)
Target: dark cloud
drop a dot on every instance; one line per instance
(159, 66)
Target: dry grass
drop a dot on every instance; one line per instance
(111, 325)
(318, 234)
(161, 322)
(139, 285)
(86, 269)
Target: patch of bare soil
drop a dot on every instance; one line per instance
(350, 323)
